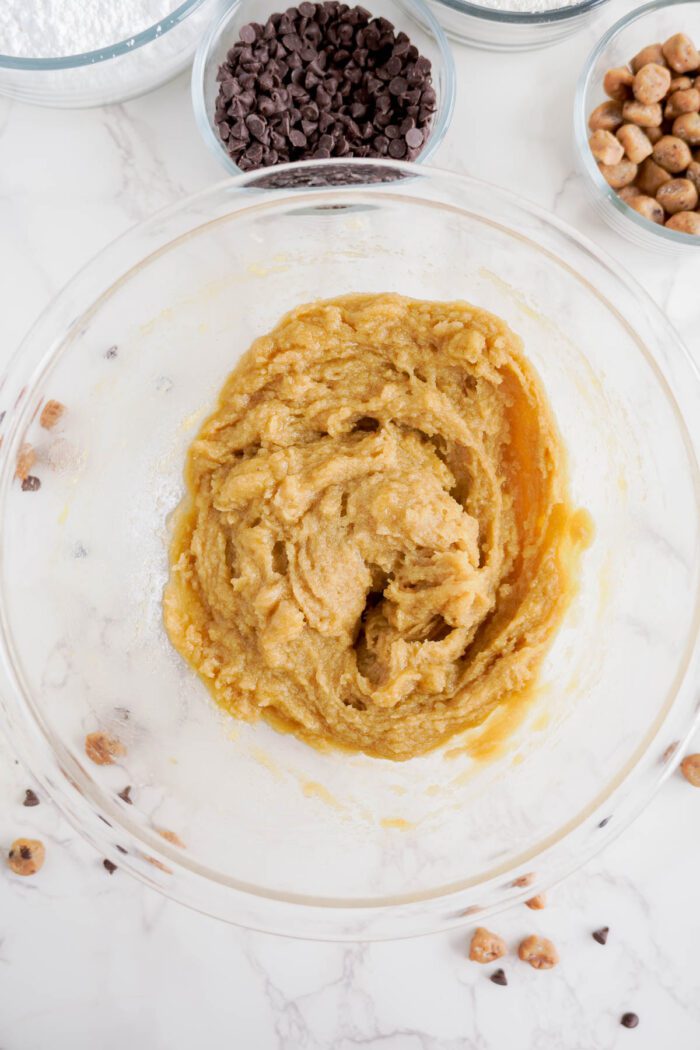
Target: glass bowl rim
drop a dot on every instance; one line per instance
(121, 47)
(525, 18)
(590, 168)
(423, 15)
(84, 803)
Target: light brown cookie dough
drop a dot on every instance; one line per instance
(377, 546)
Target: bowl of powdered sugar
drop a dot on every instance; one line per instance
(513, 25)
(93, 52)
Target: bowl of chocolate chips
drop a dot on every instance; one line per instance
(323, 80)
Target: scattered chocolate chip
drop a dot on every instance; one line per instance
(125, 795)
(30, 798)
(601, 935)
(109, 866)
(323, 82)
(111, 353)
(499, 977)
(629, 1020)
(31, 483)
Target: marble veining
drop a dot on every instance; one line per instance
(89, 959)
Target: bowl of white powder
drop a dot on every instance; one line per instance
(513, 25)
(93, 52)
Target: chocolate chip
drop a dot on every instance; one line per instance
(109, 866)
(30, 483)
(398, 85)
(629, 1020)
(499, 977)
(414, 138)
(247, 34)
(601, 935)
(125, 795)
(30, 798)
(397, 149)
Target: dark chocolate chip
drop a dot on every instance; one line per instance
(30, 483)
(30, 798)
(499, 977)
(398, 85)
(109, 866)
(601, 935)
(397, 149)
(247, 34)
(629, 1020)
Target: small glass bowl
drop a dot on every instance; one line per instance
(495, 30)
(646, 25)
(114, 73)
(411, 16)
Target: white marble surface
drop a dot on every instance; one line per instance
(89, 960)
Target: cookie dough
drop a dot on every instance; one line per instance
(377, 546)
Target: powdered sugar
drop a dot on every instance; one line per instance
(53, 28)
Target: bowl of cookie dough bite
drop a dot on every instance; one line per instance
(350, 550)
(637, 126)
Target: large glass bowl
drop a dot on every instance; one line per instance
(648, 24)
(494, 29)
(278, 836)
(116, 71)
(410, 16)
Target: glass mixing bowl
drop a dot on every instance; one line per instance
(498, 30)
(116, 71)
(411, 16)
(278, 836)
(647, 24)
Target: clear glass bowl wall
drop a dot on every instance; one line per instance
(279, 836)
(496, 30)
(410, 16)
(115, 72)
(646, 25)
